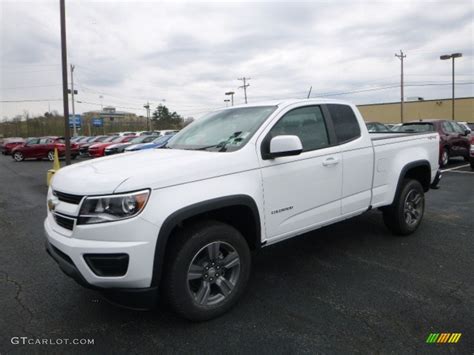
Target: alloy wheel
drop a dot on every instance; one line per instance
(413, 207)
(213, 273)
(18, 156)
(50, 156)
(445, 158)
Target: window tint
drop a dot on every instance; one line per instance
(447, 127)
(345, 122)
(416, 127)
(307, 123)
(457, 128)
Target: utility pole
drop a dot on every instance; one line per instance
(67, 138)
(401, 56)
(74, 128)
(147, 107)
(309, 92)
(245, 86)
(231, 93)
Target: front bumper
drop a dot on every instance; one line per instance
(135, 237)
(136, 298)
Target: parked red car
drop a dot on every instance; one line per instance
(43, 147)
(454, 140)
(98, 149)
(9, 144)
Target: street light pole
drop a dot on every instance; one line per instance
(74, 128)
(401, 56)
(446, 57)
(147, 107)
(231, 94)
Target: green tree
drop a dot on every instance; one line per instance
(164, 119)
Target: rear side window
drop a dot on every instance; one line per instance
(346, 126)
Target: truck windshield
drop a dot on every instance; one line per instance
(222, 131)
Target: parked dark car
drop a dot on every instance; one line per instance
(471, 153)
(10, 143)
(454, 141)
(377, 127)
(40, 148)
(120, 147)
(159, 142)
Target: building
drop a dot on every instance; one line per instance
(112, 121)
(110, 113)
(414, 110)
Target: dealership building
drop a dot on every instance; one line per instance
(420, 109)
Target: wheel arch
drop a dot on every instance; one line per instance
(419, 170)
(239, 211)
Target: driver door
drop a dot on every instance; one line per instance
(302, 191)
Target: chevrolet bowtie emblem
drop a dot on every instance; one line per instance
(52, 203)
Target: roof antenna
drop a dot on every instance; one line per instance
(309, 92)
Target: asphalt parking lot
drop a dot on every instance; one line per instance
(347, 288)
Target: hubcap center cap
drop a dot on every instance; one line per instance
(211, 272)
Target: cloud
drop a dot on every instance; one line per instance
(189, 54)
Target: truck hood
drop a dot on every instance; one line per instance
(154, 168)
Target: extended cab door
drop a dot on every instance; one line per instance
(302, 191)
(357, 157)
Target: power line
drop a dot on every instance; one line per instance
(30, 100)
(29, 86)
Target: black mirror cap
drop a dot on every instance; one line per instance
(268, 156)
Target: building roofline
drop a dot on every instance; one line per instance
(416, 101)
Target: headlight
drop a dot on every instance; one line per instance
(100, 209)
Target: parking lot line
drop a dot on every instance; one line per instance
(461, 172)
(456, 167)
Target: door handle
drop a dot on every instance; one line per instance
(330, 161)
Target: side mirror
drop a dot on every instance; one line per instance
(466, 132)
(283, 146)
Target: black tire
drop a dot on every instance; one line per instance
(188, 244)
(472, 163)
(399, 217)
(444, 157)
(18, 156)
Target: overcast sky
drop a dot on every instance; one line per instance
(189, 54)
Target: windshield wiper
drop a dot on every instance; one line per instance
(222, 144)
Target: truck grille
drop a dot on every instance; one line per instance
(69, 198)
(63, 221)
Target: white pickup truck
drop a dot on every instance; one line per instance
(184, 220)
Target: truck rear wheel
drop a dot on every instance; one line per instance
(207, 270)
(406, 212)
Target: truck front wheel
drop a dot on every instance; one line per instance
(207, 270)
(406, 212)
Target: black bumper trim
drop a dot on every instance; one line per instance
(435, 184)
(134, 298)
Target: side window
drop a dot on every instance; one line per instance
(305, 122)
(346, 126)
(447, 127)
(457, 128)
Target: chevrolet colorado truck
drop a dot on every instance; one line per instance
(181, 222)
